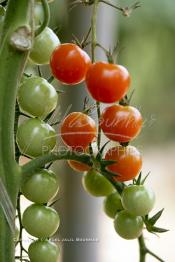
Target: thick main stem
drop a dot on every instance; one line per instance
(142, 248)
(12, 62)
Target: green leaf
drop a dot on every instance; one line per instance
(144, 179)
(100, 152)
(105, 163)
(159, 230)
(154, 219)
(138, 180)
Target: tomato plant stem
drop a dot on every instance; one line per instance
(12, 61)
(93, 46)
(46, 17)
(144, 250)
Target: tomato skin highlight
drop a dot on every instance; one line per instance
(138, 200)
(40, 221)
(96, 184)
(41, 187)
(112, 204)
(127, 225)
(69, 64)
(107, 83)
(78, 166)
(121, 123)
(128, 162)
(78, 130)
(37, 97)
(35, 137)
(43, 250)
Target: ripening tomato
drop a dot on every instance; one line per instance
(112, 204)
(138, 199)
(69, 64)
(43, 46)
(46, 183)
(37, 97)
(107, 83)
(78, 166)
(96, 184)
(128, 162)
(127, 225)
(121, 123)
(43, 251)
(78, 130)
(35, 137)
(40, 221)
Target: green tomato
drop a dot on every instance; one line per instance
(127, 225)
(35, 137)
(138, 200)
(112, 204)
(96, 184)
(38, 14)
(46, 183)
(43, 46)
(44, 251)
(36, 97)
(40, 221)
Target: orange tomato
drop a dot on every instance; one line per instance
(78, 130)
(107, 83)
(121, 123)
(69, 63)
(128, 162)
(78, 166)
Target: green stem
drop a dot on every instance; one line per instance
(144, 251)
(46, 17)
(142, 248)
(12, 62)
(93, 46)
(39, 162)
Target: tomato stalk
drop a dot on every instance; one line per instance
(15, 44)
(93, 46)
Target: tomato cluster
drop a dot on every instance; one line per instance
(106, 83)
(120, 122)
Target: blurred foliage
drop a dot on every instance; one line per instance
(147, 43)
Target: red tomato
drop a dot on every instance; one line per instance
(69, 64)
(78, 130)
(106, 82)
(78, 166)
(121, 123)
(128, 162)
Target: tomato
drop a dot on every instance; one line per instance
(69, 64)
(43, 46)
(121, 123)
(35, 137)
(78, 166)
(36, 97)
(46, 183)
(96, 184)
(40, 221)
(138, 200)
(78, 130)
(128, 162)
(112, 204)
(38, 14)
(127, 225)
(43, 250)
(107, 83)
